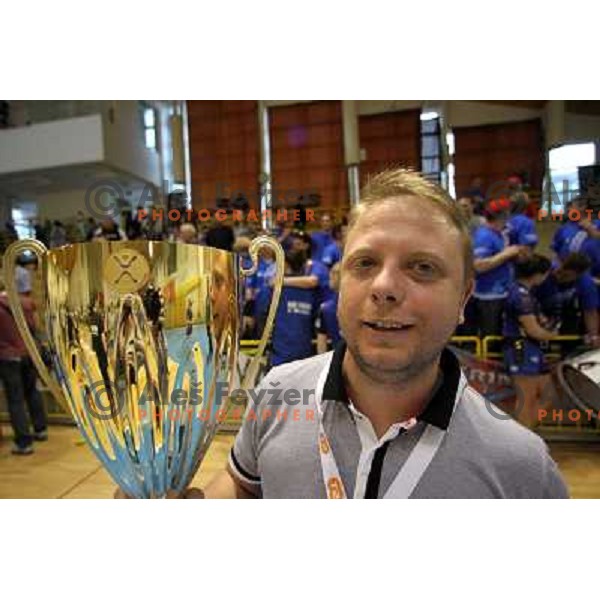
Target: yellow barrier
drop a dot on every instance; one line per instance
(496, 338)
(481, 346)
(468, 339)
(249, 347)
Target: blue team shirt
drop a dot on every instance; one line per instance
(530, 360)
(260, 282)
(520, 230)
(493, 284)
(320, 241)
(570, 237)
(323, 291)
(555, 297)
(520, 301)
(328, 322)
(591, 248)
(293, 330)
(331, 255)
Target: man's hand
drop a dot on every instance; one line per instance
(189, 494)
(513, 251)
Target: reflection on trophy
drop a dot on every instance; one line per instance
(143, 338)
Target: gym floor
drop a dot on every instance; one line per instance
(63, 467)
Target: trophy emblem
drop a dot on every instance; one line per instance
(144, 343)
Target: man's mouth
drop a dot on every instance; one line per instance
(387, 325)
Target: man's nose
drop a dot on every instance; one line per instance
(388, 287)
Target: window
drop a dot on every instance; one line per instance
(451, 169)
(564, 162)
(22, 218)
(149, 123)
(431, 152)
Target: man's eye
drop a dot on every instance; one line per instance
(425, 269)
(363, 262)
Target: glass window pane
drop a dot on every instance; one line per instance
(572, 155)
(149, 117)
(150, 138)
(430, 145)
(431, 165)
(432, 126)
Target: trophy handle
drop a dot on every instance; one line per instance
(255, 246)
(10, 260)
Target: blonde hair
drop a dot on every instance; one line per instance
(391, 184)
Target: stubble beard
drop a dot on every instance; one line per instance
(374, 371)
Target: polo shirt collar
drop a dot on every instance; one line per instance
(439, 409)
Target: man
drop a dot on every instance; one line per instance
(188, 234)
(332, 254)
(520, 229)
(328, 327)
(258, 288)
(393, 416)
(466, 207)
(221, 236)
(493, 277)
(569, 298)
(573, 235)
(18, 374)
(80, 227)
(109, 231)
(322, 239)
(315, 275)
(293, 329)
(477, 193)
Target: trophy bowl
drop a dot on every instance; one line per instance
(143, 340)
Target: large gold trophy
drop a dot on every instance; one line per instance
(143, 338)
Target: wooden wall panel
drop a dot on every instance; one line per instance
(224, 150)
(494, 152)
(390, 140)
(307, 153)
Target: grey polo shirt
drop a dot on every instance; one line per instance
(481, 456)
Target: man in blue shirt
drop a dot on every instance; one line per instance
(259, 289)
(520, 229)
(314, 276)
(572, 235)
(322, 239)
(328, 328)
(293, 330)
(333, 252)
(493, 273)
(568, 296)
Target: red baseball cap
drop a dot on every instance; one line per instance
(500, 205)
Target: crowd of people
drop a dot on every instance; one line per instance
(519, 295)
(527, 298)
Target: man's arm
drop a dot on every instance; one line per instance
(306, 282)
(534, 330)
(590, 318)
(321, 343)
(481, 265)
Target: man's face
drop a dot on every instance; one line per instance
(466, 207)
(326, 223)
(499, 222)
(402, 288)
